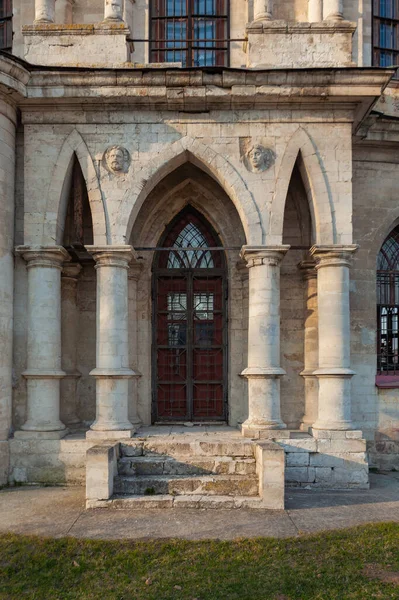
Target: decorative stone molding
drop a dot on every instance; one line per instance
(50, 257)
(263, 255)
(333, 256)
(256, 156)
(113, 10)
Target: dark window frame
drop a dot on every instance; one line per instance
(190, 43)
(385, 54)
(6, 25)
(388, 307)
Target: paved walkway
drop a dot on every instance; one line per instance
(58, 511)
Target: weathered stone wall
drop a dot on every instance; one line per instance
(375, 213)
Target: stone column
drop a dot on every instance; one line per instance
(334, 372)
(43, 374)
(69, 336)
(315, 11)
(44, 11)
(263, 371)
(64, 11)
(112, 370)
(311, 344)
(113, 10)
(133, 276)
(263, 10)
(332, 10)
(8, 119)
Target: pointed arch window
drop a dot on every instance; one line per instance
(388, 306)
(191, 32)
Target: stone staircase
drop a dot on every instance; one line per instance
(171, 473)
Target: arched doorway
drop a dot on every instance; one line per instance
(189, 358)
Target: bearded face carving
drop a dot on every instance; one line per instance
(117, 159)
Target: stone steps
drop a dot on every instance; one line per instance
(178, 485)
(163, 501)
(185, 448)
(186, 465)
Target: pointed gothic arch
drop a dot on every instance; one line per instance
(57, 196)
(207, 160)
(302, 151)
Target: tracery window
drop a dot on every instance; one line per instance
(388, 306)
(6, 25)
(386, 33)
(191, 32)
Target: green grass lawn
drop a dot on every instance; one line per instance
(358, 563)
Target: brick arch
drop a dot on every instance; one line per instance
(212, 163)
(56, 206)
(302, 149)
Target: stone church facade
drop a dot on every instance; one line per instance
(198, 225)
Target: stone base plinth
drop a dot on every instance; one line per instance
(264, 434)
(326, 462)
(4, 462)
(281, 45)
(110, 434)
(41, 435)
(77, 45)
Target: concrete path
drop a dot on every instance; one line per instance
(57, 512)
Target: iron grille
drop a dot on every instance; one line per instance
(386, 33)
(388, 306)
(191, 32)
(6, 25)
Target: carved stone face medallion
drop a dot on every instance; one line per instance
(259, 158)
(117, 159)
(255, 155)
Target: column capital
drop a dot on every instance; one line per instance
(263, 255)
(112, 256)
(308, 268)
(71, 271)
(334, 255)
(134, 271)
(44, 256)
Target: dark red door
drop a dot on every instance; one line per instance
(189, 358)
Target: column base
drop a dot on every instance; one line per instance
(267, 431)
(334, 434)
(40, 435)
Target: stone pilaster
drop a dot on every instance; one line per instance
(263, 371)
(113, 10)
(112, 370)
(8, 120)
(43, 374)
(263, 10)
(44, 11)
(334, 372)
(311, 344)
(69, 336)
(133, 276)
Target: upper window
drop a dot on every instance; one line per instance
(191, 32)
(386, 33)
(388, 305)
(6, 25)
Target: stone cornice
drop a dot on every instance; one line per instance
(275, 26)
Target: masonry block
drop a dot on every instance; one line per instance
(101, 469)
